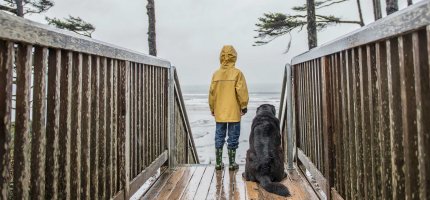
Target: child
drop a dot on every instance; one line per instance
(228, 101)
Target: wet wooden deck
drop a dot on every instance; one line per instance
(204, 182)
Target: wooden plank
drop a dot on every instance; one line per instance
(140, 179)
(75, 164)
(125, 71)
(327, 128)
(351, 125)
(216, 185)
(139, 118)
(21, 155)
(312, 144)
(156, 121)
(239, 185)
(396, 135)
(336, 123)
(319, 177)
(146, 112)
(171, 183)
(52, 124)
(115, 127)
(306, 110)
(6, 68)
(132, 140)
(365, 122)
(94, 151)
(86, 127)
(162, 107)
(38, 141)
(226, 183)
(410, 140)
(182, 183)
(236, 184)
(123, 126)
(375, 147)
(357, 125)
(319, 116)
(109, 128)
(159, 184)
(205, 184)
(252, 190)
(134, 119)
(301, 121)
(384, 130)
(142, 115)
(194, 183)
(345, 125)
(421, 47)
(65, 125)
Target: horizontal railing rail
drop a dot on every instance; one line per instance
(81, 118)
(361, 110)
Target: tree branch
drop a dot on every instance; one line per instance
(9, 9)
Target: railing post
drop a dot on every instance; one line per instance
(327, 129)
(290, 138)
(124, 126)
(171, 118)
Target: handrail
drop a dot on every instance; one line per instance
(190, 146)
(100, 119)
(22, 30)
(285, 116)
(361, 111)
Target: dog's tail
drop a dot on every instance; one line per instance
(273, 187)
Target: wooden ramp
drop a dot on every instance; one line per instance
(204, 182)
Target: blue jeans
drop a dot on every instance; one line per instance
(233, 134)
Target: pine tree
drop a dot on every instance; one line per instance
(392, 6)
(151, 28)
(274, 25)
(21, 8)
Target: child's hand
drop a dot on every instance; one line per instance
(243, 111)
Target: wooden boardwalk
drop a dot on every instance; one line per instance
(204, 182)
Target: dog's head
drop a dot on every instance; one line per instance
(266, 108)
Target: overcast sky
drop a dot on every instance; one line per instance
(190, 33)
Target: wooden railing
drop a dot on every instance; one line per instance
(81, 118)
(361, 110)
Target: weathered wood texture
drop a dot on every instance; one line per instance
(82, 119)
(188, 182)
(362, 110)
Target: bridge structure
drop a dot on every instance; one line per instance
(83, 119)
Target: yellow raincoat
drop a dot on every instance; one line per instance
(228, 93)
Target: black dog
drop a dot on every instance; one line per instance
(264, 158)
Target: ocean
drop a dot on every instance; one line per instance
(203, 124)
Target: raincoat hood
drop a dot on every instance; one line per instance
(228, 57)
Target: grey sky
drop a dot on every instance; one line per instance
(190, 33)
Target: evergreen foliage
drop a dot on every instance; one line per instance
(29, 6)
(274, 25)
(75, 24)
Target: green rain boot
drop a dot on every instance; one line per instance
(219, 165)
(232, 158)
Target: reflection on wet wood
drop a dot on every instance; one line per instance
(204, 182)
